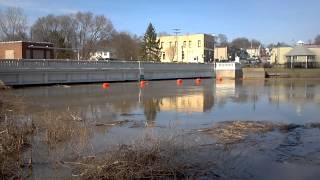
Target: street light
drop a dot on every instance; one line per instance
(176, 32)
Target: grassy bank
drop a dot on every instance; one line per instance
(292, 73)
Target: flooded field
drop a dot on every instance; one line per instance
(252, 129)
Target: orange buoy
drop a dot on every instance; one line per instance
(142, 86)
(179, 82)
(142, 83)
(198, 81)
(105, 85)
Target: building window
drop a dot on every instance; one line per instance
(184, 43)
(182, 55)
(161, 45)
(164, 56)
(190, 44)
(199, 43)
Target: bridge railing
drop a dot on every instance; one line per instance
(65, 64)
(86, 64)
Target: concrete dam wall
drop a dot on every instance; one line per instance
(42, 72)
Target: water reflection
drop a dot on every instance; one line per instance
(252, 99)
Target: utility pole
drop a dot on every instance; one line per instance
(176, 32)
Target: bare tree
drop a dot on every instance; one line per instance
(222, 40)
(91, 30)
(125, 46)
(240, 43)
(59, 30)
(255, 43)
(13, 24)
(82, 31)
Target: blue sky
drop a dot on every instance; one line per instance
(265, 20)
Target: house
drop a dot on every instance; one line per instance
(191, 48)
(254, 52)
(278, 55)
(26, 50)
(100, 55)
(300, 55)
(221, 53)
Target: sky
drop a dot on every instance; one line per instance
(269, 21)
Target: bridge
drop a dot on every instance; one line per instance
(45, 72)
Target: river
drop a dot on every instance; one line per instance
(124, 111)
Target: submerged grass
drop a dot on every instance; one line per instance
(14, 133)
(237, 131)
(143, 159)
(230, 132)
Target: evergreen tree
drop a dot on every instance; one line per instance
(151, 46)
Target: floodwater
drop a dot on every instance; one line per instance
(164, 107)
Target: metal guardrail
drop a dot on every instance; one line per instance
(85, 64)
(64, 64)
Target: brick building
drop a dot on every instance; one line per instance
(26, 50)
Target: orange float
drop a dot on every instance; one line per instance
(105, 85)
(142, 84)
(198, 81)
(179, 82)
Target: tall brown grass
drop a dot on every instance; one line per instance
(14, 133)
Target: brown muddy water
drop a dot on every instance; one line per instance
(252, 129)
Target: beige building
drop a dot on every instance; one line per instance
(193, 48)
(221, 53)
(189, 103)
(300, 53)
(315, 49)
(278, 55)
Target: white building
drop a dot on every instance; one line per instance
(254, 53)
(100, 55)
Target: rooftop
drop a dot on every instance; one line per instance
(10, 42)
(187, 35)
(300, 51)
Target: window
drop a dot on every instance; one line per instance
(161, 45)
(182, 55)
(184, 43)
(164, 56)
(199, 43)
(9, 54)
(190, 44)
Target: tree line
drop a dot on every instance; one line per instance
(81, 31)
(87, 33)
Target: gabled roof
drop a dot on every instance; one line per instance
(300, 51)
